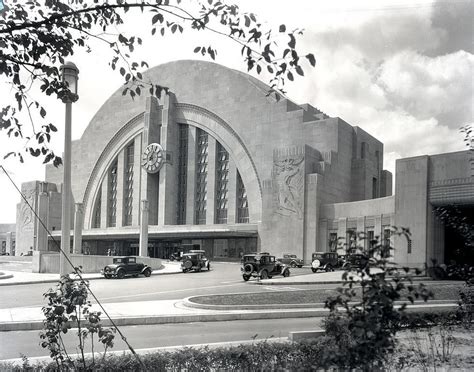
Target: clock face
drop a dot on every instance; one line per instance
(152, 158)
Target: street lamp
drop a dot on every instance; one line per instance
(70, 75)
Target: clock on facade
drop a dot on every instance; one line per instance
(153, 158)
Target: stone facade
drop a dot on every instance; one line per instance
(241, 171)
(7, 239)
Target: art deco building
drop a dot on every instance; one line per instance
(221, 165)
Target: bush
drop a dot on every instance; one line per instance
(258, 356)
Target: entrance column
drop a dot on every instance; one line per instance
(77, 242)
(144, 229)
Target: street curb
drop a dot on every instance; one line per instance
(5, 276)
(169, 319)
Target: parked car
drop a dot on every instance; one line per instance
(195, 260)
(123, 266)
(326, 261)
(291, 260)
(262, 266)
(176, 256)
(357, 261)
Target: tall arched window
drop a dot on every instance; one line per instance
(128, 190)
(112, 196)
(201, 177)
(182, 173)
(222, 179)
(97, 209)
(242, 202)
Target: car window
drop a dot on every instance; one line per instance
(118, 260)
(132, 260)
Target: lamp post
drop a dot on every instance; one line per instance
(70, 75)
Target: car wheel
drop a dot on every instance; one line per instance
(314, 270)
(108, 276)
(185, 271)
(246, 277)
(329, 268)
(120, 274)
(264, 274)
(293, 265)
(208, 266)
(269, 276)
(248, 268)
(198, 268)
(147, 272)
(286, 273)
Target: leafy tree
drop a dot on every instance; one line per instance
(36, 36)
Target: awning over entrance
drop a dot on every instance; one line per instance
(172, 231)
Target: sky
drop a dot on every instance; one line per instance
(400, 69)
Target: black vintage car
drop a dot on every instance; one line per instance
(262, 266)
(325, 261)
(292, 260)
(123, 266)
(195, 260)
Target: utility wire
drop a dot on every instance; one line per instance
(76, 270)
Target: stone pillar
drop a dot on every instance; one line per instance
(104, 202)
(361, 243)
(168, 196)
(120, 187)
(144, 229)
(151, 134)
(323, 236)
(78, 222)
(191, 176)
(9, 243)
(311, 217)
(342, 233)
(137, 169)
(232, 193)
(211, 181)
(43, 208)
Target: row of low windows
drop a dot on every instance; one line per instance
(201, 184)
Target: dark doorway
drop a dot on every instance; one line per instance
(459, 234)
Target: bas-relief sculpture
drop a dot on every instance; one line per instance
(26, 207)
(288, 179)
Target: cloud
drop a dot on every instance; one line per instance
(454, 19)
(428, 87)
(385, 34)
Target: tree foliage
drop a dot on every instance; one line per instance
(37, 36)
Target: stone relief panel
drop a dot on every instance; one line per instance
(288, 185)
(26, 216)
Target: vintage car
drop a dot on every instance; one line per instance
(262, 266)
(357, 261)
(123, 266)
(195, 260)
(325, 261)
(292, 260)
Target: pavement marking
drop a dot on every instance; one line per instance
(163, 292)
(280, 289)
(234, 281)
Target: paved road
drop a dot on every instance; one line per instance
(141, 337)
(223, 278)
